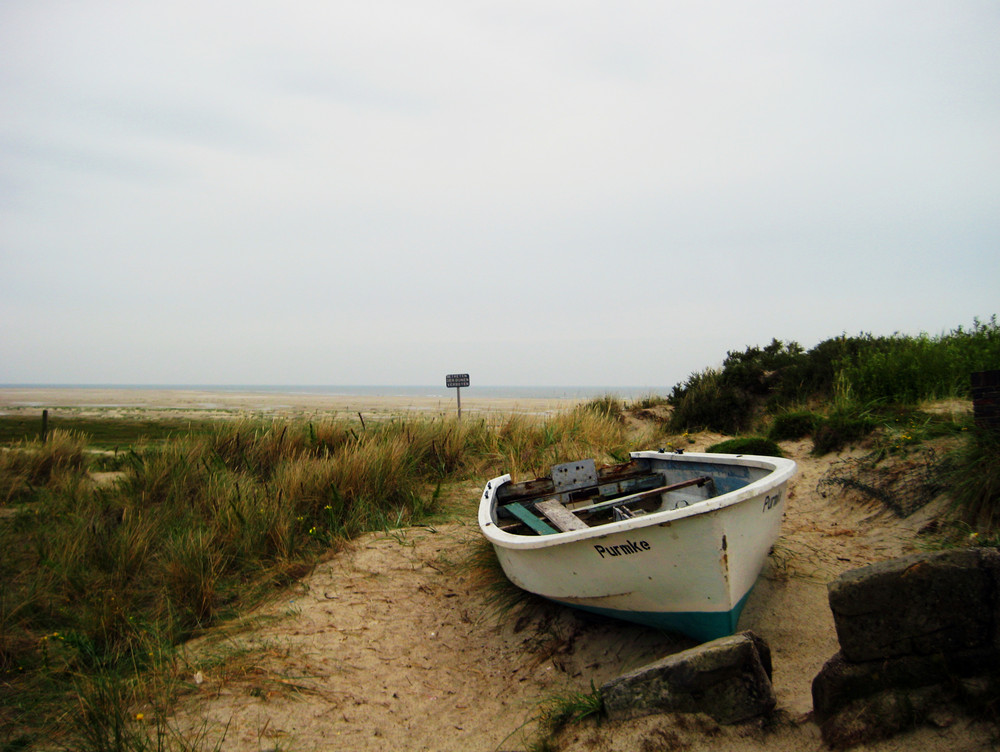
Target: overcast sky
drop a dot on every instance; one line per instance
(543, 192)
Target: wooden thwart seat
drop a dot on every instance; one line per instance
(560, 516)
(525, 516)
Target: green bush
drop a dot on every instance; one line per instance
(840, 429)
(727, 400)
(707, 403)
(747, 445)
(852, 371)
(905, 369)
(792, 425)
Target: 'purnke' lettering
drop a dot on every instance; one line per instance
(623, 549)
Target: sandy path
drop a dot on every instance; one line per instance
(395, 647)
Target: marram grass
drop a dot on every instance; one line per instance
(99, 579)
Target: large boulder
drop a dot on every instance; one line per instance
(881, 715)
(840, 682)
(728, 679)
(919, 639)
(918, 605)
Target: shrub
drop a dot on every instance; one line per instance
(840, 429)
(792, 425)
(747, 445)
(706, 402)
(906, 369)
(727, 400)
(899, 369)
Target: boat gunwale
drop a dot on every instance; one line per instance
(781, 470)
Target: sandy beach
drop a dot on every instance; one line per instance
(209, 404)
(392, 644)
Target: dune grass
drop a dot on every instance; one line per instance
(973, 473)
(102, 433)
(100, 581)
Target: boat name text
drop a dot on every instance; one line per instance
(628, 547)
(771, 501)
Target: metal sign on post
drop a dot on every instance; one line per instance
(457, 380)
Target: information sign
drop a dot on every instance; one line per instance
(457, 380)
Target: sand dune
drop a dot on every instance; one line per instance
(392, 645)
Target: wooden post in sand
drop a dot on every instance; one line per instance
(457, 380)
(45, 424)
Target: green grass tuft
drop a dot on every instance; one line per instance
(565, 709)
(974, 476)
(840, 429)
(747, 445)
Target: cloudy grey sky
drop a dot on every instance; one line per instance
(543, 192)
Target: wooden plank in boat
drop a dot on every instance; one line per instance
(539, 526)
(560, 516)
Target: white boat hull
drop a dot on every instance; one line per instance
(688, 570)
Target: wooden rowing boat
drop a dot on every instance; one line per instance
(671, 540)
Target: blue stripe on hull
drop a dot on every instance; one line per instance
(700, 625)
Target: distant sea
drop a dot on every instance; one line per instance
(356, 390)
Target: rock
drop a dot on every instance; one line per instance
(879, 716)
(920, 642)
(840, 682)
(729, 679)
(920, 604)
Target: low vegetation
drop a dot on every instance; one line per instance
(973, 475)
(856, 380)
(111, 558)
(562, 710)
(102, 579)
(747, 445)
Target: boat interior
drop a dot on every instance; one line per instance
(579, 495)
